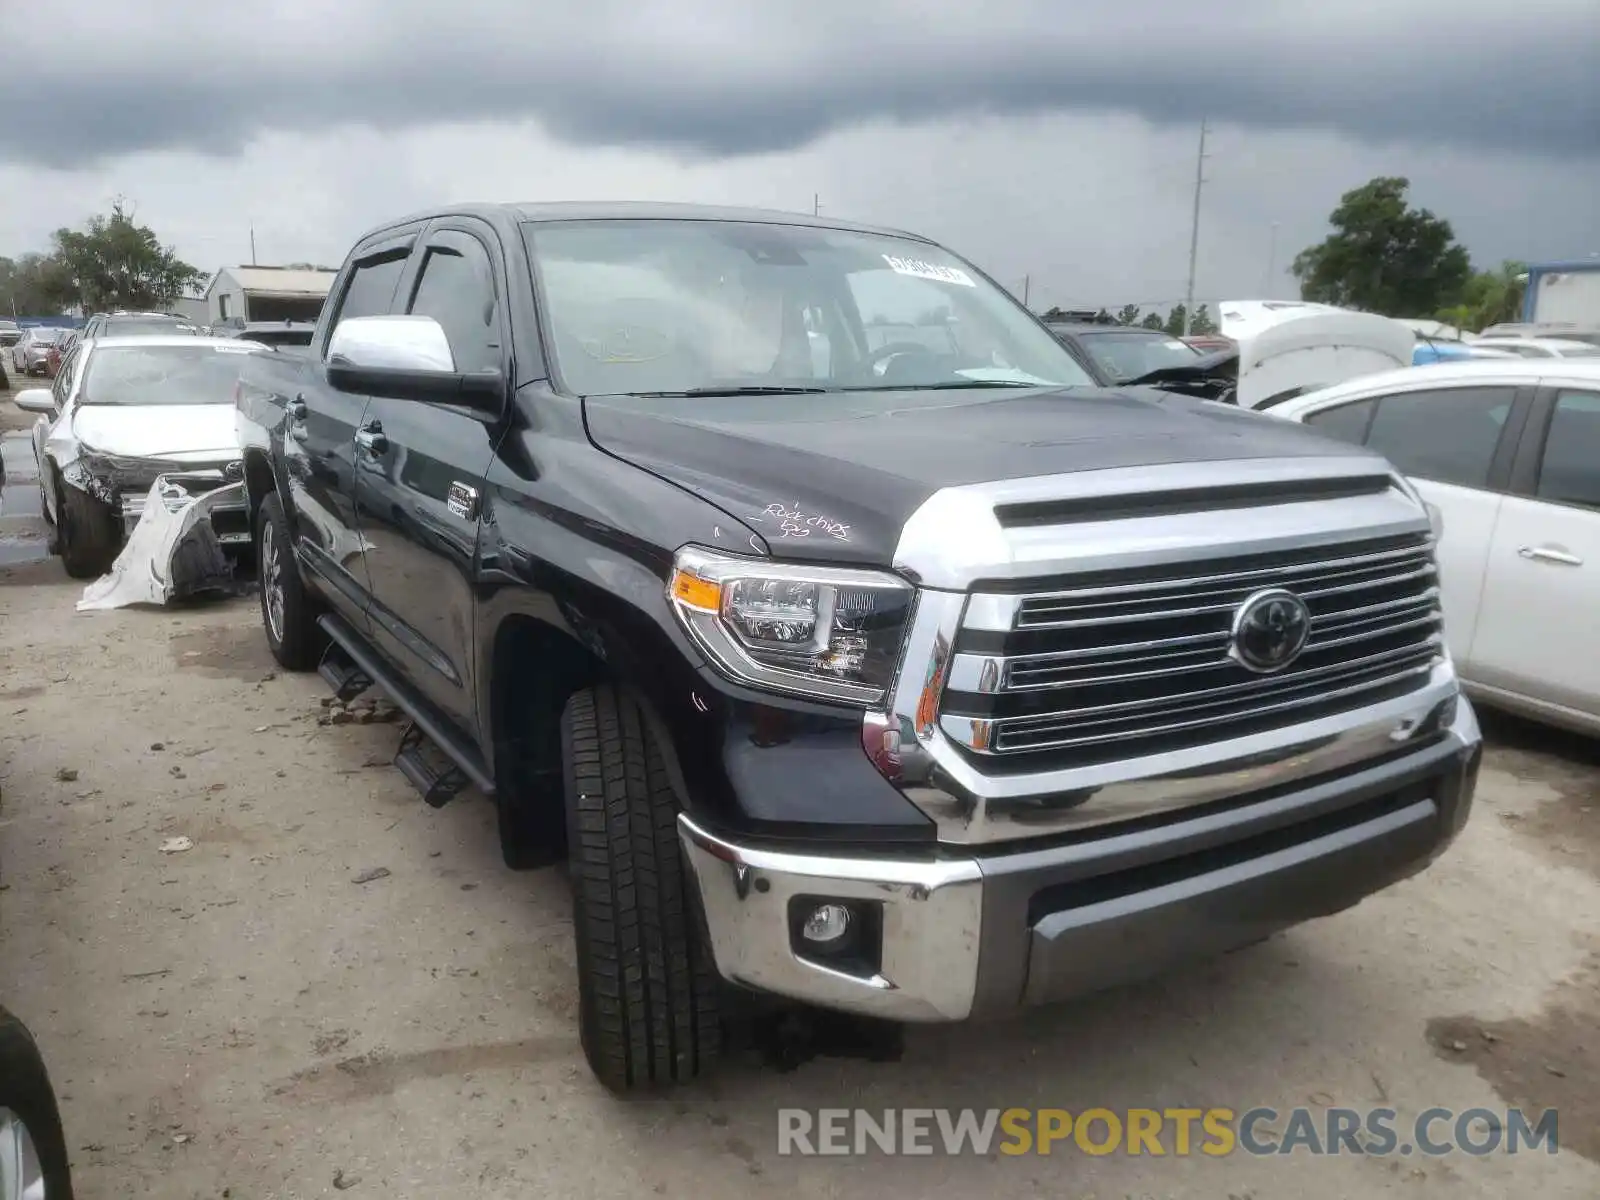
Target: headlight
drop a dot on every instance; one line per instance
(830, 632)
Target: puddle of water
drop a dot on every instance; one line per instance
(16, 448)
(23, 536)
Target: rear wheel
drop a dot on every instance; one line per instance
(646, 985)
(89, 533)
(288, 612)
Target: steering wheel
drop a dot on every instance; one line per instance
(890, 350)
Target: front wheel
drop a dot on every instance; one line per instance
(33, 1148)
(51, 525)
(288, 612)
(647, 988)
(89, 533)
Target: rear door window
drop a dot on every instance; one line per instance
(1569, 472)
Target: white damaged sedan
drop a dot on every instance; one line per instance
(123, 413)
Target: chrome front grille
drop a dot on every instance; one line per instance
(1136, 662)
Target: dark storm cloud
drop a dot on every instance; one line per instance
(719, 80)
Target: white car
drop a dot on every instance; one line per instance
(1508, 454)
(120, 413)
(1539, 347)
(32, 349)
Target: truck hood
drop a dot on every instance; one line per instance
(835, 476)
(164, 431)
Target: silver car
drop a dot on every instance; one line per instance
(32, 351)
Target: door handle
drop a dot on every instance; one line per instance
(371, 439)
(1546, 554)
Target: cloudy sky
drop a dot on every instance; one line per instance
(1037, 139)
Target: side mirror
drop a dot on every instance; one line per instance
(408, 358)
(35, 400)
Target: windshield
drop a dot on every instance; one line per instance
(129, 375)
(46, 337)
(675, 307)
(1126, 356)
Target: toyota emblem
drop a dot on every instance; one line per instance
(1269, 631)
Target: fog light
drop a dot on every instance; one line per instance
(826, 924)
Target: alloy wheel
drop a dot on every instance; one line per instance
(21, 1173)
(272, 580)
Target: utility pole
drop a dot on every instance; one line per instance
(816, 204)
(1272, 263)
(252, 245)
(1025, 281)
(1194, 229)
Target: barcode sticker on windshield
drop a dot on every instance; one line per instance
(921, 270)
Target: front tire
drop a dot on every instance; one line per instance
(89, 532)
(288, 612)
(646, 985)
(51, 526)
(33, 1147)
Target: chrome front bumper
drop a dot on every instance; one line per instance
(975, 934)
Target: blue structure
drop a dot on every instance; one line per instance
(57, 322)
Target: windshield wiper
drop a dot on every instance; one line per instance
(948, 387)
(747, 390)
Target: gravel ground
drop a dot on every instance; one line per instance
(246, 1018)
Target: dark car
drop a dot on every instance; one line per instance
(856, 647)
(270, 333)
(1123, 353)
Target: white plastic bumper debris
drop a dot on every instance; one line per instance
(172, 552)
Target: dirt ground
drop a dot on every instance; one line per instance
(337, 990)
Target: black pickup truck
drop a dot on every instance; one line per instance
(795, 584)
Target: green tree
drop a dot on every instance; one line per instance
(1152, 320)
(1174, 322)
(31, 286)
(1489, 297)
(1384, 256)
(1128, 314)
(1202, 322)
(113, 262)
